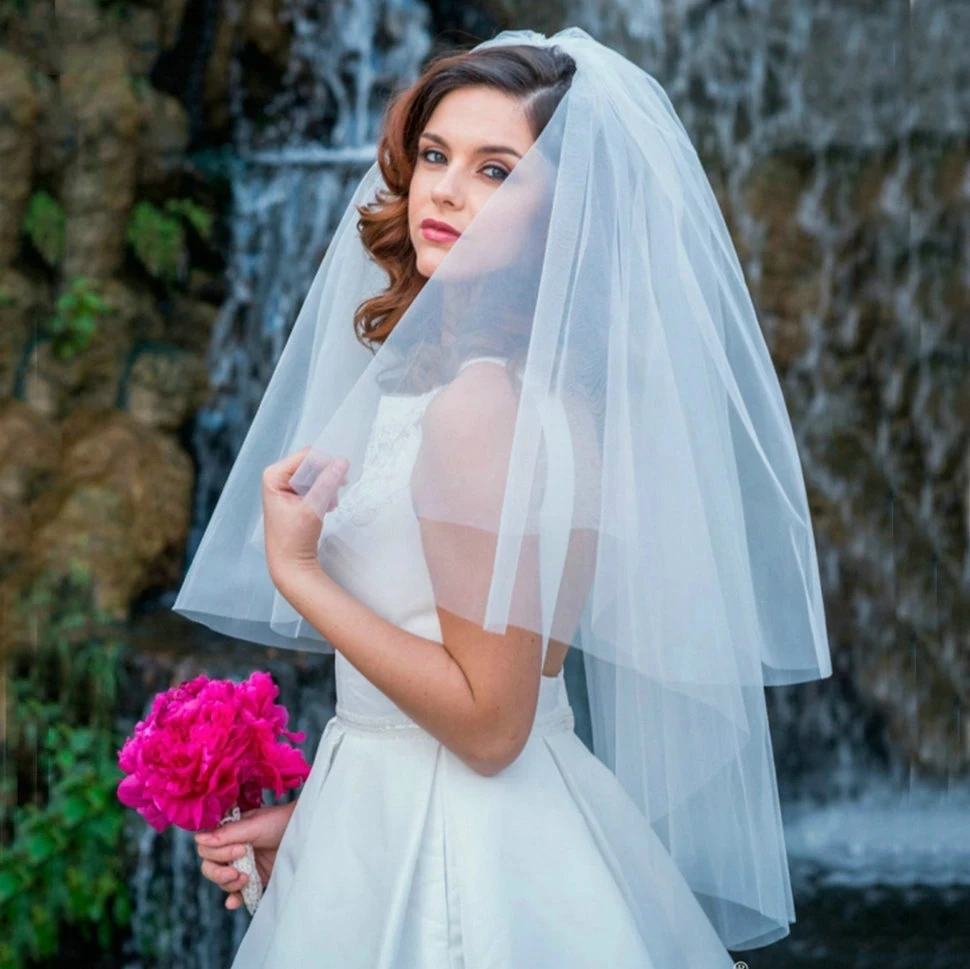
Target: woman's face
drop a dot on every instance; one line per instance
(472, 141)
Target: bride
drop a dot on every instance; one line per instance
(526, 407)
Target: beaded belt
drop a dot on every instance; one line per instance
(552, 721)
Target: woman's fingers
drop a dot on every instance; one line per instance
(221, 853)
(287, 465)
(327, 483)
(236, 885)
(219, 847)
(222, 875)
(225, 876)
(232, 834)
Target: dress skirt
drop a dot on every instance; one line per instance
(399, 856)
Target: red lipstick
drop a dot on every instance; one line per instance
(435, 231)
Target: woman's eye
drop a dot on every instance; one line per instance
(502, 173)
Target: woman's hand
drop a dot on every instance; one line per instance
(262, 828)
(291, 526)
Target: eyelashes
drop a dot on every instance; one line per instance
(504, 174)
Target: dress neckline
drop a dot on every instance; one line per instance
(470, 360)
(434, 390)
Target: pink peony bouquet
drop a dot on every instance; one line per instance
(208, 748)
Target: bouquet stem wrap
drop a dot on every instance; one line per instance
(253, 889)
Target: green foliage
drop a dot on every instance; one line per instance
(158, 241)
(199, 218)
(44, 226)
(157, 236)
(5, 298)
(64, 863)
(76, 314)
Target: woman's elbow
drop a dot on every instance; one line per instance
(495, 751)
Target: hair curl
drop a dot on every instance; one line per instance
(538, 76)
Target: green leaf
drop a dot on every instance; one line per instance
(158, 241)
(74, 810)
(44, 225)
(77, 311)
(9, 886)
(40, 847)
(81, 741)
(97, 797)
(122, 909)
(194, 214)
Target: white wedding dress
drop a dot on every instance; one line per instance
(399, 856)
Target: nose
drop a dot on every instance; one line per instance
(448, 190)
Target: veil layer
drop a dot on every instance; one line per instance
(605, 458)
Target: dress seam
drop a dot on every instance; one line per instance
(455, 940)
(556, 720)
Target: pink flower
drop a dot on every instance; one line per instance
(208, 745)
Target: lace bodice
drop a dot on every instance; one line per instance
(388, 459)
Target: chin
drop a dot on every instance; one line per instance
(427, 262)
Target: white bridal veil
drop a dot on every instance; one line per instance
(629, 484)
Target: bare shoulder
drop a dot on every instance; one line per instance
(481, 399)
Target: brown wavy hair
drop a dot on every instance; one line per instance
(538, 76)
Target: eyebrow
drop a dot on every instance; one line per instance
(483, 150)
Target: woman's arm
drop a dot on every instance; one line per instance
(477, 695)
(475, 691)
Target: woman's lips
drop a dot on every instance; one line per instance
(434, 234)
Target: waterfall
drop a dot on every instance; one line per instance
(291, 181)
(292, 178)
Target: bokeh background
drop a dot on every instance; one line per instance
(171, 172)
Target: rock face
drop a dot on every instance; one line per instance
(97, 378)
(17, 140)
(98, 184)
(117, 505)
